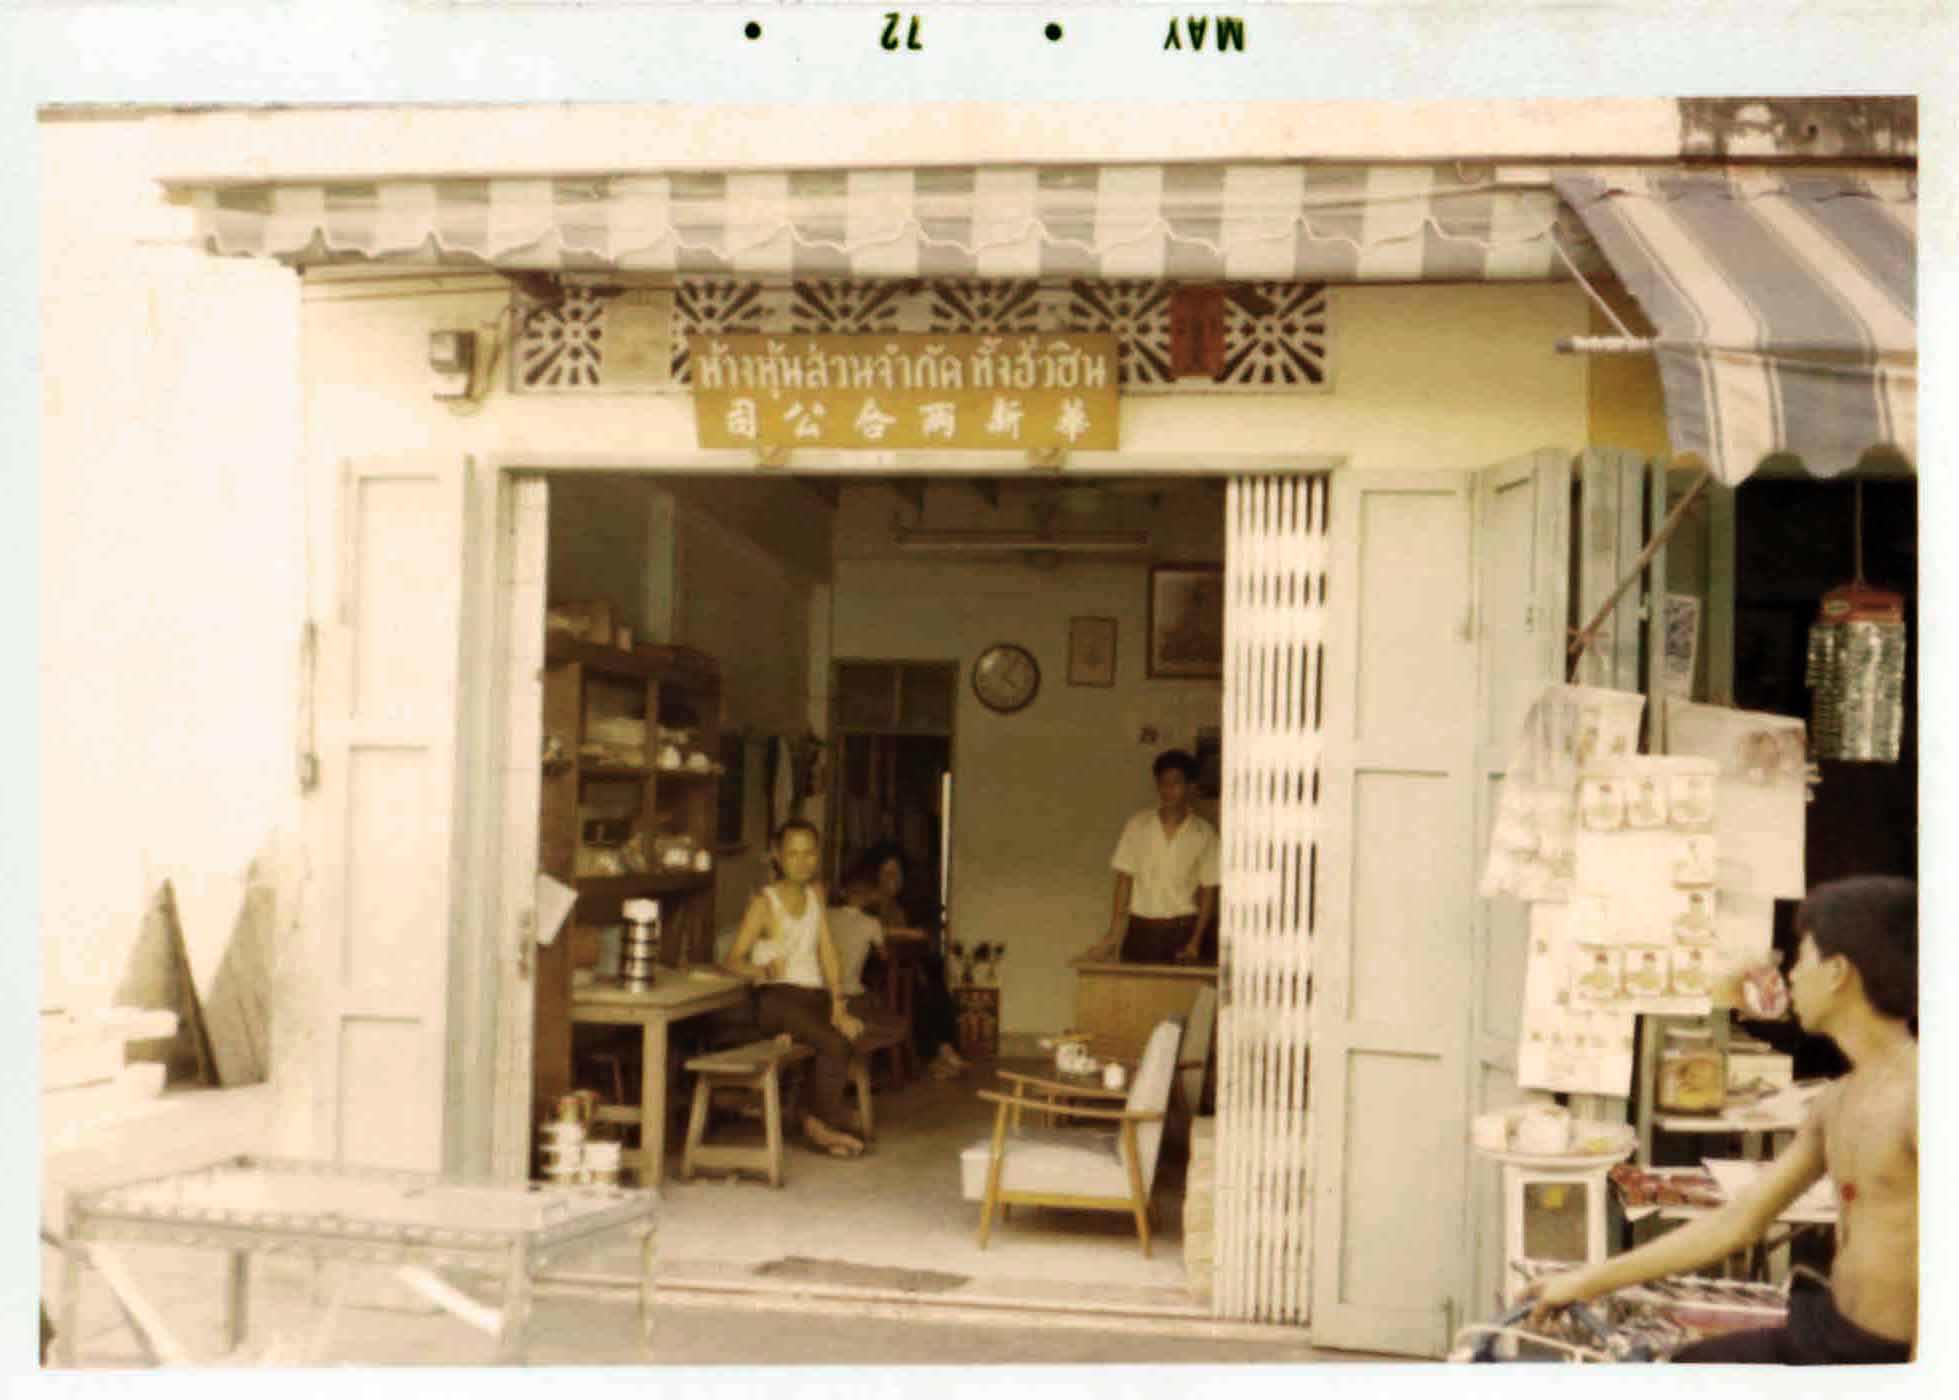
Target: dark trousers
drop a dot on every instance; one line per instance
(804, 1012)
(1160, 940)
(932, 1023)
(932, 1017)
(1815, 1335)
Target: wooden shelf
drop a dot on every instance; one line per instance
(585, 684)
(627, 886)
(613, 770)
(618, 772)
(613, 662)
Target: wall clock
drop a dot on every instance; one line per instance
(1006, 677)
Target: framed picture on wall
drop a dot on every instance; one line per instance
(1091, 651)
(1186, 621)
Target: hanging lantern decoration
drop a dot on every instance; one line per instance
(1856, 670)
(1856, 676)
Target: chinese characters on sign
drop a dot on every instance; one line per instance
(1031, 392)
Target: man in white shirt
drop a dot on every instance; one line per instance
(1166, 865)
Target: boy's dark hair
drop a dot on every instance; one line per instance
(796, 824)
(1178, 759)
(1873, 921)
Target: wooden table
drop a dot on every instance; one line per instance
(673, 997)
(413, 1222)
(1119, 1004)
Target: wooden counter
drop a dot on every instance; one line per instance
(1119, 1003)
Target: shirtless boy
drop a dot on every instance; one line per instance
(1854, 979)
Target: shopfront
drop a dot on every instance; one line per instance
(1353, 368)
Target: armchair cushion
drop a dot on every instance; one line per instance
(1048, 1161)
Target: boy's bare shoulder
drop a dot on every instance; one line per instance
(1826, 1104)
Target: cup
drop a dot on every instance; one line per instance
(1114, 1076)
(1490, 1132)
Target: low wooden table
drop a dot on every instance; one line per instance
(1119, 1003)
(413, 1222)
(675, 996)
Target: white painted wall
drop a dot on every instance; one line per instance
(172, 572)
(1424, 377)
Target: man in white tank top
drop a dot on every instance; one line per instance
(784, 947)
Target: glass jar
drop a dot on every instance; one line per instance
(1692, 1077)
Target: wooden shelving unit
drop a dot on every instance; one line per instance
(583, 683)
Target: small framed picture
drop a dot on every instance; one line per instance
(1186, 612)
(1091, 651)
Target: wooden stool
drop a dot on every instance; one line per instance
(860, 1078)
(872, 1043)
(755, 1066)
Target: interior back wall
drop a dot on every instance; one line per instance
(1039, 796)
(750, 611)
(612, 538)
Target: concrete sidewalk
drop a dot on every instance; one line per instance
(290, 1327)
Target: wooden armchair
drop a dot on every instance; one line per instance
(1194, 1060)
(1076, 1168)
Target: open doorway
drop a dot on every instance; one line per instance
(728, 569)
(892, 736)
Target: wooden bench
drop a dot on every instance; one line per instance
(756, 1066)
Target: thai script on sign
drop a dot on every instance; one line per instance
(905, 391)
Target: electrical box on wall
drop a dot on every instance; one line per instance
(452, 362)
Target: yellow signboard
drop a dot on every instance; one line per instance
(879, 392)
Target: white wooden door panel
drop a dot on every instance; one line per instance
(381, 822)
(1522, 591)
(1457, 618)
(1392, 955)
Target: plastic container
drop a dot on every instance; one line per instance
(1692, 1076)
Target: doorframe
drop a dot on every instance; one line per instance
(832, 820)
(487, 1124)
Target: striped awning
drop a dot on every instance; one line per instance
(1784, 306)
(1197, 222)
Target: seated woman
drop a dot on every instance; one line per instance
(784, 947)
(885, 868)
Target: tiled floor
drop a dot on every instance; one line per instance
(900, 1208)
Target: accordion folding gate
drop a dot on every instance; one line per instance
(1276, 589)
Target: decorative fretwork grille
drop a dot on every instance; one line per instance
(558, 346)
(1277, 337)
